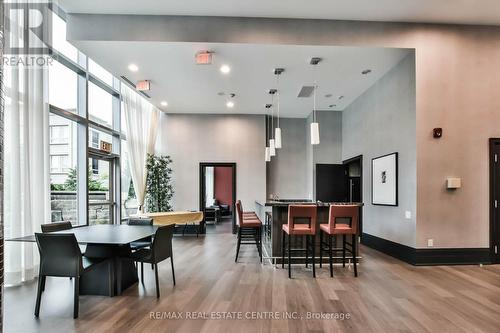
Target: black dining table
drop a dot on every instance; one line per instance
(108, 242)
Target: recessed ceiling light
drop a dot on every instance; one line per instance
(341, 96)
(164, 103)
(230, 104)
(133, 68)
(332, 105)
(366, 71)
(328, 95)
(225, 69)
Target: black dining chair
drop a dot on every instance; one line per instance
(145, 242)
(59, 226)
(160, 249)
(60, 256)
(56, 226)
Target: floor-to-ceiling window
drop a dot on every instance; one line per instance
(84, 105)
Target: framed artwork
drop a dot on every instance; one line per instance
(385, 180)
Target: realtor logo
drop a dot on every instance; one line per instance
(27, 30)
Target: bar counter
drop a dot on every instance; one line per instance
(275, 214)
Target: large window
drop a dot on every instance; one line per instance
(59, 42)
(63, 87)
(84, 111)
(100, 105)
(100, 72)
(96, 137)
(63, 169)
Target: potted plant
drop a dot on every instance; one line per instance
(159, 190)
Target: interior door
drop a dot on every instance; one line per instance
(331, 183)
(495, 199)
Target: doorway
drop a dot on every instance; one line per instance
(101, 190)
(218, 195)
(495, 200)
(354, 168)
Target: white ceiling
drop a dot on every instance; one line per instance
(430, 11)
(191, 88)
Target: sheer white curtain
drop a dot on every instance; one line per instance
(209, 186)
(27, 189)
(141, 121)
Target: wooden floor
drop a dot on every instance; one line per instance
(388, 296)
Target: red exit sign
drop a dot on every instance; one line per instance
(203, 58)
(144, 85)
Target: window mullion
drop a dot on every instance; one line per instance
(82, 142)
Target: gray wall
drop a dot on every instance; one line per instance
(379, 122)
(291, 173)
(191, 139)
(329, 150)
(287, 170)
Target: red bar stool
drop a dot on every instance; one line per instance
(249, 229)
(333, 228)
(246, 214)
(308, 229)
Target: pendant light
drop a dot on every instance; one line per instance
(277, 131)
(314, 124)
(268, 150)
(272, 142)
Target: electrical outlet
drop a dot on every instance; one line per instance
(408, 215)
(430, 242)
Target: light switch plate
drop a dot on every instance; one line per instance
(430, 242)
(453, 183)
(408, 214)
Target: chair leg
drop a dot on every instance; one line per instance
(76, 298)
(320, 249)
(307, 249)
(260, 243)
(142, 272)
(172, 263)
(330, 250)
(289, 259)
(283, 248)
(238, 245)
(43, 282)
(314, 254)
(343, 250)
(256, 238)
(157, 283)
(354, 259)
(39, 295)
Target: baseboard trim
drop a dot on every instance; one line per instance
(458, 256)
(396, 250)
(428, 257)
